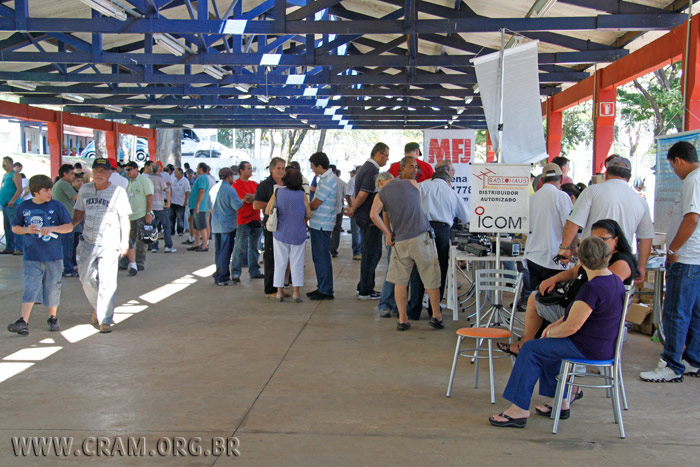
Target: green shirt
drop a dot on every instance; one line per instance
(137, 190)
(201, 184)
(63, 192)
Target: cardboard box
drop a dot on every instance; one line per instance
(639, 314)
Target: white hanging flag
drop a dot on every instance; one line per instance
(523, 132)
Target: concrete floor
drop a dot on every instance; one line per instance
(316, 383)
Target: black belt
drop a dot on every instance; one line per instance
(441, 223)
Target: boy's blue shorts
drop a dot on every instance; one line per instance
(42, 282)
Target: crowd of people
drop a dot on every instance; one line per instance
(90, 225)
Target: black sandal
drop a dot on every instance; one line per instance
(503, 347)
(509, 422)
(563, 415)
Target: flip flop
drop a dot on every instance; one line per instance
(503, 347)
(509, 422)
(562, 416)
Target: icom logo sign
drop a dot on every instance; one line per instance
(501, 223)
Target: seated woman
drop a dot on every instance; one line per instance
(622, 263)
(588, 330)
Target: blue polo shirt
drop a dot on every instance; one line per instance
(202, 183)
(226, 204)
(36, 247)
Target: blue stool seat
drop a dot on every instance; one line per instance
(583, 361)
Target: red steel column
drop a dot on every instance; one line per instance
(112, 139)
(554, 131)
(490, 153)
(603, 123)
(152, 146)
(692, 68)
(54, 132)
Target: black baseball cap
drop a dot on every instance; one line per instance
(102, 162)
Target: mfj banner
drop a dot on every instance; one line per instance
(456, 146)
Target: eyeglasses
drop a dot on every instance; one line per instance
(129, 169)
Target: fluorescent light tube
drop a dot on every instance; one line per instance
(23, 85)
(214, 71)
(169, 43)
(113, 108)
(72, 97)
(107, 8)
(167, 120)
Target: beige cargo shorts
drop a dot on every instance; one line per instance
(421, 251)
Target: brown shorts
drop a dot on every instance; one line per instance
(420, 251)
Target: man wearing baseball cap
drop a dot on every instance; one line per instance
(613, 199)
(412, 149)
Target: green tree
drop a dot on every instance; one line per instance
(225, 136)
(577, 127)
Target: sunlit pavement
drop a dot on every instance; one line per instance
(315, 383)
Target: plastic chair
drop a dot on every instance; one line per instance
(496, 281)
(610, 373)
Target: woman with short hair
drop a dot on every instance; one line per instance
(588, 330)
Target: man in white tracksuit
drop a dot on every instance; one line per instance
(105, 238)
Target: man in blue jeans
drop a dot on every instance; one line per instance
(64, 193)
(681, 314)
(324, 209)
(365, 191)
(10, 192)
(249, 226)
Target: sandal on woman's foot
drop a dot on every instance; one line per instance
(403, 326)
(577, 396)
(503, 347)
(508, 422)
(280, 299)
(297, 299)
(564, 414)
(436, 323)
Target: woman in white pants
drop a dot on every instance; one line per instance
(290, 238)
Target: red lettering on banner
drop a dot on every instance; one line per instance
(438, 149)
(457, 150)
(467, 157)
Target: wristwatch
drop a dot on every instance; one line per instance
(670, 252)
(150, 213)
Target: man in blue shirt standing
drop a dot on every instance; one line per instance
(225, 205)
(199, 208)
(10, 191)
(324, 208)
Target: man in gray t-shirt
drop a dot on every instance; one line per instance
(409, 233)
(161, 204)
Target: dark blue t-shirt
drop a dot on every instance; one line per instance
(38, 248)
(596, 338)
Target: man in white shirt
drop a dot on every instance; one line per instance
(681, 315)
(180, 188)
(442, 204)
(549, 208)
(613, 199)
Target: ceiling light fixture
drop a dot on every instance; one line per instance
(215, 71)
(169, 43)
(23, 85)
(146, 116)
(72, 97)
(244, 88)
(264, 99)
(107, 8)
(113, 108)
(167, 120)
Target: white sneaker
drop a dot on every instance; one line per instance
(690, 370)
(170, 250)
(662, 374)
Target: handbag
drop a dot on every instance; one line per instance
(271, 222)
(557, 296)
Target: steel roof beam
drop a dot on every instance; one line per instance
(616, 7)
(358, 27)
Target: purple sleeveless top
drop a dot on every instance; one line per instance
(291, 211)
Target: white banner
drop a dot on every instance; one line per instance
(523, 132)
(456, 146)
(668, 185)
(500, 198)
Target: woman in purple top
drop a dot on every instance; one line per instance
(290, 238)
(587, 330)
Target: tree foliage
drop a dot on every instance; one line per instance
(577, 127)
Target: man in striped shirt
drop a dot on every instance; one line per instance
(324, 208)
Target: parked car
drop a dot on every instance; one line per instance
(141, 150)
(198, 145)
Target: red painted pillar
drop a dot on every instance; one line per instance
(692, 68)
(603, 123)
(55, 136)
(152, 146)
(490, 153)
(112, 139)
(554, 131)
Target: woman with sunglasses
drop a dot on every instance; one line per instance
(622, 263)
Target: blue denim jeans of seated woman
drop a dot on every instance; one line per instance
(681, 316)
(539, 359)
